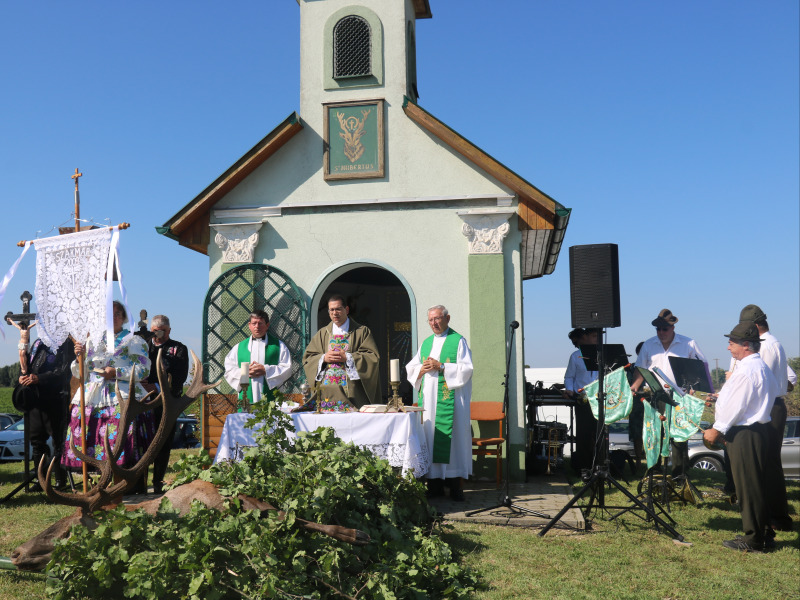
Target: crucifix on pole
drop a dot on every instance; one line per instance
(23, 321)
(77, 200)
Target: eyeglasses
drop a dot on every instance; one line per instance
(436, 319)
(663, 328)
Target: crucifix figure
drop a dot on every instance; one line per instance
(24, 322)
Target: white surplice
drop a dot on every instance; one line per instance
(458, 377)
(275, 375)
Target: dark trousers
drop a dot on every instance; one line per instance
(747, 448)
(585, 436)
(46, 417)
(680, 457)
(776, 482)
(161, 462)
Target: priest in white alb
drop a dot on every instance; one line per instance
(262, 360)
(441, 372)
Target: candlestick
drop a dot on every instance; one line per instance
(394, 370)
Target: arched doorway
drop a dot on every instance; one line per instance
(379, 300)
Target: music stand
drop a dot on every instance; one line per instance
(614, 356)
(691, 374)
(658, 394)
(600, 471)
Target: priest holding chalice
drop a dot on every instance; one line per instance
(258, 364)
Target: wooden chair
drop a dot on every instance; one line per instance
(489, 446)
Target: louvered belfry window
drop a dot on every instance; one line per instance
(352, 48)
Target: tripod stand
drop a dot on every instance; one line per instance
(600, 474)
(506, 501)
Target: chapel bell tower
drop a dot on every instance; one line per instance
(356, 51)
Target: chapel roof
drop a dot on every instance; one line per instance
(542, 220)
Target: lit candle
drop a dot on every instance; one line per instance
(245, 376)
(394, 370)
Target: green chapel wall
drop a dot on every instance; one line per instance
(487, 341)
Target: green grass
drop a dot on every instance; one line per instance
(617, 559)
(5, 401)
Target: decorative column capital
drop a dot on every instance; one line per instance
(486, 230)
(237, 241)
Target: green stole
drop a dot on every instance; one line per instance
(443, 425)
(272, 354)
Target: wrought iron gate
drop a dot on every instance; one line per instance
(229, 302)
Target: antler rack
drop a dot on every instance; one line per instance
(103, 492)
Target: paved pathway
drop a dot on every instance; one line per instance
(545, 494)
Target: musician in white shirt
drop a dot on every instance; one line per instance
(741, 421)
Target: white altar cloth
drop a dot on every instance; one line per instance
(396, 437)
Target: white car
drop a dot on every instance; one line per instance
(12, 442)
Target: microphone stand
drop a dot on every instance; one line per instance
(506, 501)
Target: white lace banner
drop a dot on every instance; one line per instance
(71, 285)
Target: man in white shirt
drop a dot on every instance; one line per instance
(655, 353)
(774, 356)
(270, 363)
(576, 378)
(742, 422)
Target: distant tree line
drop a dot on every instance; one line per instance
(9, 375)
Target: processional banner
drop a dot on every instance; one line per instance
(74, 278)
(618, 396)
(685, 419)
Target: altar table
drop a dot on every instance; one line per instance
(396, 437)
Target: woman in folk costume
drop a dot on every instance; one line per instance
(106, 369)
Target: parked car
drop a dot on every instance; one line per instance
(701, 457)
(7, 419)
(12, 440)
(618, 438)
(185, 432)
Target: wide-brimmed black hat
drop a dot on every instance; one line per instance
(751, 312)
(746, 331)
(664, 318)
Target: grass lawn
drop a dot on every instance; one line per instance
(616, 559)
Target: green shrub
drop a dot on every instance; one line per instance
(209, 555)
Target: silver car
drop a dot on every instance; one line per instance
(12, 440)
(701, 457)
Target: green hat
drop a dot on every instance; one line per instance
(745, 331)
(751, 312)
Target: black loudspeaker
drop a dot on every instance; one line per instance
(594, 285)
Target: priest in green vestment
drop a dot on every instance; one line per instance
(269, 363)
(441, 372)
(343, 359)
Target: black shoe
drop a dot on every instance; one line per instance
(158, 488)
(784, 524)
(435, 488)
(741, 545)
(457, 495)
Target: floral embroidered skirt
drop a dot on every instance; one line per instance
(100, 420)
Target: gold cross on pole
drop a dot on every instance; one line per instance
(77, 201)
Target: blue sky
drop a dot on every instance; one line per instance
(670, 128)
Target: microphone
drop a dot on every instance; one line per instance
(514, 324)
